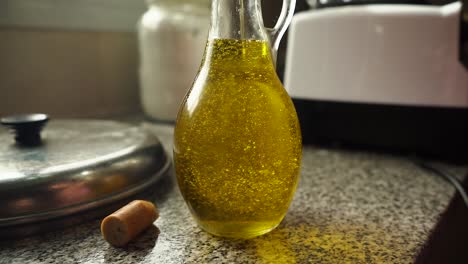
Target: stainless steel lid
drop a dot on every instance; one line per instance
(80, 165)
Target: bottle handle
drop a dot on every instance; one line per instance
(276, 33)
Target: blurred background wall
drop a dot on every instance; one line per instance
(68, 73)
(77, 64)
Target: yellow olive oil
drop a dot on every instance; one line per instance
(237, 148)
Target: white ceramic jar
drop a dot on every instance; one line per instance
(172, 38)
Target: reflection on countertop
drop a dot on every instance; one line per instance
(350, 207)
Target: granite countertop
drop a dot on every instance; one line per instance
(350, 207)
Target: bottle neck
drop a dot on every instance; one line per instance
(237, 19)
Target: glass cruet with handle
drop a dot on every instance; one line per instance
(237, 140)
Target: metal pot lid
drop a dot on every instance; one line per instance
(78, 165)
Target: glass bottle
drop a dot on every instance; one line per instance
(238, 148)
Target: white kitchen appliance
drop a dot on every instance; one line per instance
(382, 75)
(172, 37)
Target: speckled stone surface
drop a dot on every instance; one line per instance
(350, 207)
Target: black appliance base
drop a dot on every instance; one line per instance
(434, 132)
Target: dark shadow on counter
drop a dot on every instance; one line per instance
(448, 241)
(137, 249)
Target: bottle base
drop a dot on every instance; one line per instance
(237, 230)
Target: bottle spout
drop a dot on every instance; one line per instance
(277, 33)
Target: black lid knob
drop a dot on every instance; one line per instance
(27, 128)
